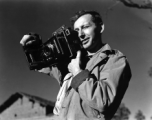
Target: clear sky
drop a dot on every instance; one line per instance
(126, 29)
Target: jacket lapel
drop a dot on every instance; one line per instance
(98, 57)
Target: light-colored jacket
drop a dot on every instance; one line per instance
(96, 92)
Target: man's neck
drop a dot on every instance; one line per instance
(98, 46)
(91, 53)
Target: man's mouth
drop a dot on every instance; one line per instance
(85, 41)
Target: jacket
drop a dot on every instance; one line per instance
(96, 92)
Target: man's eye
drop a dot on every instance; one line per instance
(85, 26)
(76, 30)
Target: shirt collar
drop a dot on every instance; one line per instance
(102, 49)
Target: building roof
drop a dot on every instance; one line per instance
(18, 95)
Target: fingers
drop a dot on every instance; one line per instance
(69, 67)
(44, 70)
(78, 55)
(24, 39)
(74, 65)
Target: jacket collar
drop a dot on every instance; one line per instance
(98, 56)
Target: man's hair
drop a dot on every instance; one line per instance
(96, 16)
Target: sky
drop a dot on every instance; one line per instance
(126, 29)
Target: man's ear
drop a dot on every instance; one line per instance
(102, 28)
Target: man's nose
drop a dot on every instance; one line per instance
(81, 34)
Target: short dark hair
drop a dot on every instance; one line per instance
(96, 16)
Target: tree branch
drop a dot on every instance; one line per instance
(110, 8)
(150, 72)
(130, 3)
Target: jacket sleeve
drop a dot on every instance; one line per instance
(105, 86)
(57, 72)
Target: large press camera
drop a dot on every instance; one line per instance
(61, 47)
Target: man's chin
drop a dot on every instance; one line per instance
(85, 46)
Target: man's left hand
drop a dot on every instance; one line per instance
(74, 65)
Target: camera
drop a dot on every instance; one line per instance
(60, 48)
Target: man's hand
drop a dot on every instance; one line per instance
(46, 70)
(26, 40)
(32, 40)
(74, 65)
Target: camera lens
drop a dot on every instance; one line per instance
(48, 51)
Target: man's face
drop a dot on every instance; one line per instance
(87, 31)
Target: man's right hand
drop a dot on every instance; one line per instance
(26, 40)
(31, 39)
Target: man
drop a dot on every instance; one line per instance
(95, 91)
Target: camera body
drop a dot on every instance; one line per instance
(60, 48)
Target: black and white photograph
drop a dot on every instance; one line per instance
(75, 59)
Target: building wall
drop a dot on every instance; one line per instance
(23, 108)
